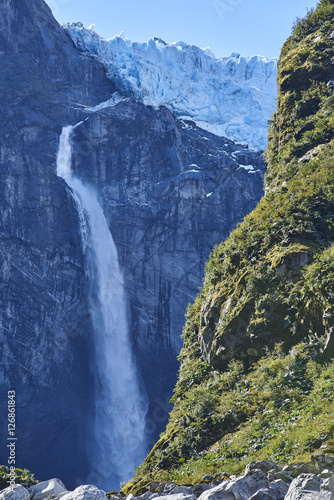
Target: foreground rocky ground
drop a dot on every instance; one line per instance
(261, 481)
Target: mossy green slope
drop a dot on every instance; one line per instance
(256, 378)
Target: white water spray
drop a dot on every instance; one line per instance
(118, 434)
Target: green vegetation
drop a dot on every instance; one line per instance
(282, 409)
(23, 476)
(256, 378)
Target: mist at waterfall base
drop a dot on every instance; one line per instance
(116, 428)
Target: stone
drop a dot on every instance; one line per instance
(264, 465)
(325, 474)
(324, 457)
(278, 488)
(284, 475)
(296, 469)
(86, 492)
(311, 154)
(241, 488)
(307, 487)
(130, 497)
(330, 84)
(16, 492)
(168, 488)
(177, 496)
(200, 487)
(262, 495)
(217, 493)
(328, 484)
(53, 487)
(207, 478)
(155, 485)
(187, 490)
(147, 496)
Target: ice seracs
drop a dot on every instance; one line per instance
(233, 96)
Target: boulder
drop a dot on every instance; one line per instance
(242, 488)
(296, 470)
(167, 489)
(284, 475)
(279, 489)
(262, 495)
(187, 490)
(308, 487)
(86, 492)
(328, 484)
(325, 474)
(207, 478)
(16, 492)
(130, 497)
(264, 465)
(217, 493)
(324, 457)
(52, 487)
(155, 485)
(177, 496)
(147, 496)
(200, 487)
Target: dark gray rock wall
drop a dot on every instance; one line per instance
(170, 192)
(44, 344)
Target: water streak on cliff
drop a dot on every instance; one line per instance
(117, 436)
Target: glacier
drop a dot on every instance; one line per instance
(233, 96)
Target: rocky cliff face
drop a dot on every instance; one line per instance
(44, 82)
(258, 349)
(170, 191)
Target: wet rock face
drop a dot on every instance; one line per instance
(170, 192)
(44, 323)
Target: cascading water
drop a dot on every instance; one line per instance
(120, 409)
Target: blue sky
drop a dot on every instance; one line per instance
(245, 26)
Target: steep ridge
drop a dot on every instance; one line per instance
(232, 97)
(256, 378)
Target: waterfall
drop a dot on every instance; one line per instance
(120, 409)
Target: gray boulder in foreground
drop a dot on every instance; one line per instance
(242, 488)
(177, 496)
(16, 492)
(311, 487)
(86, 492)
(53, 487)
